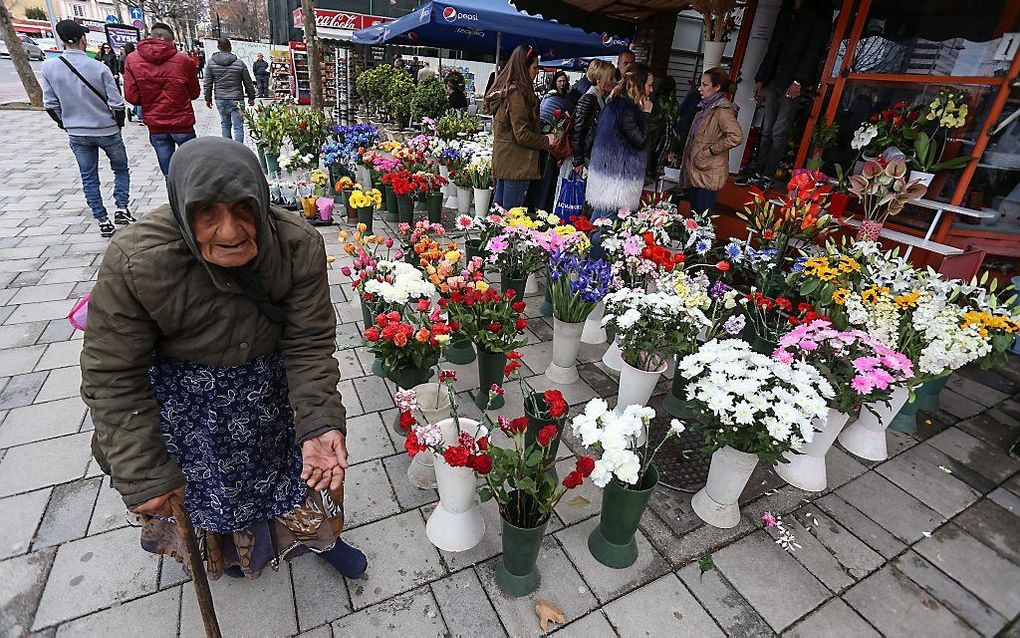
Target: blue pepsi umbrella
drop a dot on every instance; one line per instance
(571, 64)
(477, 26)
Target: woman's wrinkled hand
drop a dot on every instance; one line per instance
(159, 505)
(324, 460)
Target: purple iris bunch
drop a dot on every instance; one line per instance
(578, 283)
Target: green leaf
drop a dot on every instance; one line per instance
(485, 494)
(809, 286)
(705, 563)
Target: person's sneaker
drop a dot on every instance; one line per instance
(106, 227)
(123, 216)
(349, 561)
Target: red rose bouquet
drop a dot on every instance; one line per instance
(490, 319)
(413, 341)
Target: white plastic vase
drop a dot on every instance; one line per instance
(456, 525)
(288, 192)
(463, 200)
(449, 190)
(613, 358)
(716, 503)
(807, 469)
(712, 57)
(866, 437)
(636, 385)
(434, 402)
(531, 285)
(566, 343)
(593, 332)
(482, 198)
(364, 176)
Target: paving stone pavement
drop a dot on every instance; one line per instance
(925, 543)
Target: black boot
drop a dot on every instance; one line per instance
(349, 561)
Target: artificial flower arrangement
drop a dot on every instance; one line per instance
(635, 243)
(694, 234)
(577, 285)
(412, 159)
(320, 178)
(883, 191)
(425, 182)
(345, 183)
(367, 251)
(561, 237)
(893, 127)
(478, 230)
(294, 160)
(466, 446)
(412, 340)
(351, 139)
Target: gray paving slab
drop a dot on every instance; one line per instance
(990, 462)
(154, 614)
(109, 512)
(408, 496)
(581, 502)
(855, 557)
(782, 593)
(1006, 499)
(19, 518)
(663, 607)
(94, 573)
(46, 463)
(368, 495)
(61, 383)
(319, 592)
(834, 619)
(891, 507)
(924, 473)
(42, 421)
(594, 624)
(60, 355)
(20, 360)
(860, 525)
(976, 566)
(68, 514)
(24, 579)
(21, 390)
(46, 292)
(20, 335)
(994, 427)
(412, 614)
(813, 554)
(465, 607)
(40, 311)
(730, 610)
(367, 438)
(245, 608)
(975, 391)
(994, 526)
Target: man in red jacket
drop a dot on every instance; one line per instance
(163, 81)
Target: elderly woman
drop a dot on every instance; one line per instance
(208, 365)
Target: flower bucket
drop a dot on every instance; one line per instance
(713, 52)
(716, 503)
(807, 469)
(456, 525)
(490, 372)
(927, 396)
(460, 350)
(482, 198)
(566, 343)
(866, 437)
(262, 158)
(365, 217)
(546, 309)
(517, 573)
(463, 200)
(612, 542)
(473, 248)
(288, 193)
(390, 199)
(435, 407)
(531, 284)
(613, 357)
(636, 385)
(273, 164)
(870, 229)
(405, 209)
(352, 213)
(434, 206)
(593, 332)
(325, 206)
(506, 282)
(671, 174)
(309, 208)
(921, 176)
(676, 402)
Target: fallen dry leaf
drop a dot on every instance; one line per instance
(546, 612)
(578, 501)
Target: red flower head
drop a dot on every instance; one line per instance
(447, 375)
(381, 321)
(555, 403)
(585, 465)
(520, 324)
(496, 390)
(547, 434)
(483, 443)
(722, 266)
(582, 223)
(557, 113)
(413, 445)
(508, 295)
(572, 480)
(495, 326)
(372, 334)
(406, 420)
(456, 456)
(511, 367)
(516, 426)
(519, 306)
(423, 305)
(481, 463)
(513, 356)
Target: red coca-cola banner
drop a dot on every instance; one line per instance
(332, 19)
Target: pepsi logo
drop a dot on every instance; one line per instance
(607, 39)
(449, 14)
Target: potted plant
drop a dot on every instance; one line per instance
(752, 407)
(624, 471)
(577, 285)
(948, 111)
(493, 322)
(308, 130)
(430, 189)
(430, 99)
(822, 138)
(718, 26)
(883, 191)
(860, 370)
(440, 264)
(364, 203)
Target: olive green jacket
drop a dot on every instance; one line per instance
(516, 142)
(154, 296)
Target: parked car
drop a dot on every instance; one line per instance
(28, 44)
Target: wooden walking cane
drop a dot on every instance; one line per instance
(198, 577)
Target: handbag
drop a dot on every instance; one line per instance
(562, 148)
(118, 114)
(571, 199)
(79, 315)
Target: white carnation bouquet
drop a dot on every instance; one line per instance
(398, 282)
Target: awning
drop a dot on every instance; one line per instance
(571, 64)
(618, 17)
(474, 25)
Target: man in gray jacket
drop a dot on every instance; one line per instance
(231, 81)
(81, 96)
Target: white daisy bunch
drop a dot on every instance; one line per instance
(755, 404)
(398, 282)
(647, 324)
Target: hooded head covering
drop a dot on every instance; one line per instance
(215, 169)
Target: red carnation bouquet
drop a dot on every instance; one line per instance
(402, 182)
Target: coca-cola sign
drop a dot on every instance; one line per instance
(331, 19)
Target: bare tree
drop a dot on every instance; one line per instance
(314, 58)
(19, 57)
(245, 19)
(182, 15)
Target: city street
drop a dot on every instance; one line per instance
(11, 89)
(923, 544)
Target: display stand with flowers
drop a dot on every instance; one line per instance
(624, 471)
(753, 407)
(477, 232)
(578, 284)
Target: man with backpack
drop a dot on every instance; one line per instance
(232, 82)
(82, 97)
(163, 81)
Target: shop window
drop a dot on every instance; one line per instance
(961, 38)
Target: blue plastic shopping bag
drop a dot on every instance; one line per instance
(571, 199)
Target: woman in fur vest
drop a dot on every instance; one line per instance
(713, 133)
(516, 142)
(619, 154)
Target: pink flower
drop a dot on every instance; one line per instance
(346, 270)
(808, 345)
(861, 385)
(398, 255)
(880, 378)
(463, 222)
(389, 242)
(865, 364)
(497, 244)
(768, 519)
(782, 356)
(496, 390)
(691, 225)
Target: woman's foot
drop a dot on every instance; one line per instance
(234, 571)
(349, 561)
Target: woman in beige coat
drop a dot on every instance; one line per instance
(713, 133)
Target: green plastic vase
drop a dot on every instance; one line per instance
(434, 206)
(547, 308)
(273, 164)
(365, 217)
(676, 403)
(391, 203)
(612, 542)
(926, 397)
(460, 350)
(473, 248)
(262, 159)
(517, 573)
(490, 372)
(506, 282)
(536, 423)
(405, 209)
(928, 401)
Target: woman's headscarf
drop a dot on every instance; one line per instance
(215, 169)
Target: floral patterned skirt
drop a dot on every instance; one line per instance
(231, 431)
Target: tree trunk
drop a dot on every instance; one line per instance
(19, 58)
(314, 57)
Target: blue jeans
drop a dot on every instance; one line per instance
(702, 199)
(165, 144)
(510, 193)
(86, 152)
(230, 115)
